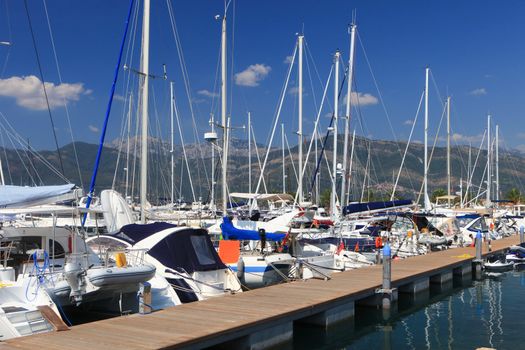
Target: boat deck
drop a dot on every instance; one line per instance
(215, 321)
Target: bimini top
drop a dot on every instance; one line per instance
(181, 248)
(371, 206)
(231, 232)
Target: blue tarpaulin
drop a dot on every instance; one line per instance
(231, 232)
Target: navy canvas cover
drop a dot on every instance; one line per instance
(368, 206)
(190, 249)
(134, 233)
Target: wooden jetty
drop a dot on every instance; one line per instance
(263, 317)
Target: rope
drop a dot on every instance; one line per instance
(63, 97)
(43, 85)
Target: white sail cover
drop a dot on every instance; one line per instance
(20, 196)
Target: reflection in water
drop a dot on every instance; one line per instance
(482, 314)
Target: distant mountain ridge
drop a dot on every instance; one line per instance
(21, 168)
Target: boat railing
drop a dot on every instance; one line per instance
(125, 257)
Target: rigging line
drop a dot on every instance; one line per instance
(406, 149)
(185, 77)
(22, 144)
(515, 173)
(378, 91)
(364, 126)
(17, 153)
(63, 97)
(10, 38)
(475, 163)
(43, 85)
(6, 158)
(28, 151)
(108, 111)
(276, 118)
(258, 157)
(291, 158)
(432, 151)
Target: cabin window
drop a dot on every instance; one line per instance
(59, 251)
(202, 250)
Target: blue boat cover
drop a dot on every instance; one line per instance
(20, 196)
(368, 206)
(231, 232)
(134, 233)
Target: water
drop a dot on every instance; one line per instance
(472, 314)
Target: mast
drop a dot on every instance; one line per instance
(212, 192)
(348, 111)
(223, 115)
(249, 152)
(497, 162)
(144, 69)
(334, 165)
(489, 170)
(350, 166)
(425, 165)
(172, 150)
(284, 164)
(127, 145)
(448, 150)
(300, 108)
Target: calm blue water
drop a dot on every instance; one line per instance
(483, 313)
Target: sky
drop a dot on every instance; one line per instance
(475, 50)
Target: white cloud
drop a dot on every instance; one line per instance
(252, 75)
(521, 135)
(93, 128)
(293, 90)
(116, 97)
(28, 92)
(288, 59)
(207, 93)
(520, 148)
(364, 99)
(408, 122)
(478, 92)
(459, 138)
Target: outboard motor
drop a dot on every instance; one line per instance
(75, 277)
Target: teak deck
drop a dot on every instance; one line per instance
(214, 321)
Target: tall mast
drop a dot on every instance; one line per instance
(249, 152)
(489, 170)
(212, 192)
(223, 116)
(448, 150)
(144, 69)
(348, 111)
(425, 173)
(127, 145)
(172, 150)
(284, 164)
(334, 165)
(300, 131)
(497, 161)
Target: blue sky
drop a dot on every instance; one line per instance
(474, 48)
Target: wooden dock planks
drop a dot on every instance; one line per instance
(235, 315)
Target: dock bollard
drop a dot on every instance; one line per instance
(387, 275)
(144, 296)
(522, 233)
(478, 245)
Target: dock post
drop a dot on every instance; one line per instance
(478, 261)
(522, 232)
(387, 275)
(144, 296)
(478, 246)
